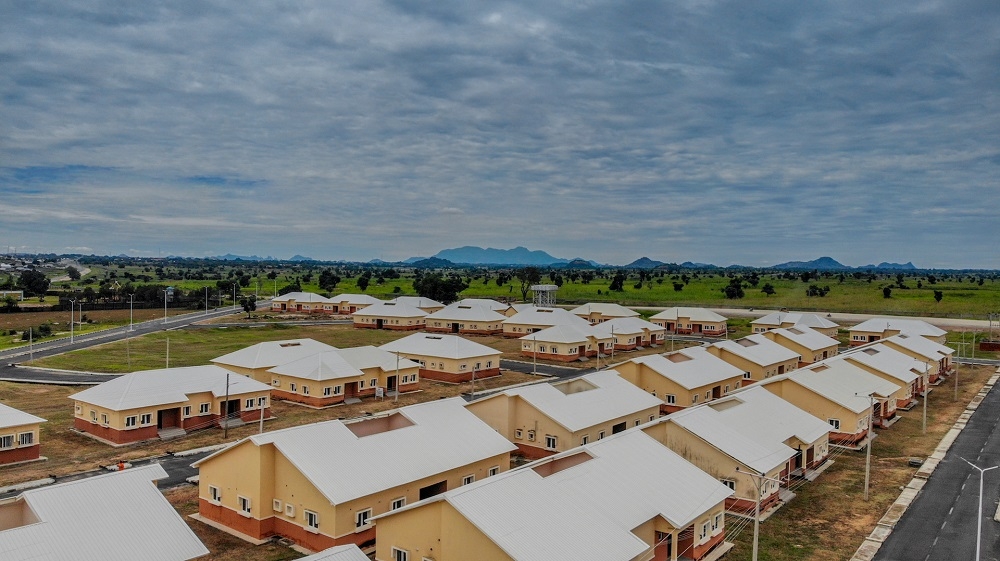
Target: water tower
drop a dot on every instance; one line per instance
(544, 295)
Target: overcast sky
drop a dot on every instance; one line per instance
(721, 132)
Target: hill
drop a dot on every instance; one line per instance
(821, 264)
(644, 263)
(491, 256)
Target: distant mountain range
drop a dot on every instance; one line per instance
(831, 264)
(473, 255)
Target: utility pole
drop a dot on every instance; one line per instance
(72, 308)
(206, 300)
(131, 298)
(759, 480)
(168, 352)
(979, 519)
(225, 410)
(534, 353)
(868, 439)
(164, 307)
(926, 381)
(472, 391)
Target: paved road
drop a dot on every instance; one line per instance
(940, 525)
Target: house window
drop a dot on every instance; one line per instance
(373, 382)
(248, 404)
(312, 519)
(727, 388)
(361, 384)
(327, 391)
(671, 399)
(746, 375)
(130, 421)
(835, 423)
(305, 390)
(694, 398)
(729, 483)
(652, 417)
(276, 505)
(146, 419)
(550, 442)
(187, 411)
(717, 522)
(289, 510)
(531, 435)
(704, 531)
(468, 479)
(7, 441)
(79, 409)
(362, 518)
(26, 439)
(276, 383)
(493, 471)
(585, 439)
(93, 415)
(261, 402)
(638, 422)
(244, 503)
(398, 503)
(104, 418)
(600, 435)
(337, 390)
(214, 494)
(478, 366)
(462, 366)
(489, 364)
(204, 408)
(517, 433)
(708, 394)
(400, 555)
(292, 387)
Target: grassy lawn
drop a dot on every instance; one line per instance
(59, 322)
(829, 518)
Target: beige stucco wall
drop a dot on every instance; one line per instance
(757, 372)
(819, 406)
(647, 379)
(457, 366)
(116, 419)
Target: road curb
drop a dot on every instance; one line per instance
(870, 546)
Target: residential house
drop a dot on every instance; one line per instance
(19, 436)
(116, 516)
(447, 358)
(544, 419)
(885, 393)
(683, 378)
(811, 345)
(893, 366)
(598, 312)
(531, 319)
(758, 357)
(498, 307)
(777, 320)
(349, 303)
(168, 402)
(936, 357)
(469, 319)
(301, 302)
(254, 361)
(424, 304)
(566, 343)
(390, 315)
(624, 498)
(632, 333)
(322, 484)
(729, 453)
(687, 321)
(343, 375)
(876, 329)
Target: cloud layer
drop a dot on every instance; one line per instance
(710, 131)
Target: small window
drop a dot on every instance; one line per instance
(26, 439)
(244, 503)
(489, 364)
(289, 510)
(292, 387)
(694, 398)
(373, 382)
(531, 436)
(717, 522)
(248, 404)
(327, 391)
(671, 399)
(93, 415)
(468, 479)
(361, 384)
(400, 555)
(727, 388)
(146, 419)
(652, 417)
(398, 503)
(187, 411)
(729, 483)
(835, 423)
(214, 493)
(7, 441)
(704, 531)
(131, 421)
(204, 408)
(262, 402)
(493, 471)
(518, 433)
(362, 518)
(584, 439)
(337, 390)
(305, 390)
(550, 442)
(276, 505)
(600, 435)
(104, 418)
(638, 422)
(79, 409)
(312, 519)
(746, 375)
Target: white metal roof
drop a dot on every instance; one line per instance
(808, 320)
(736, 441)
(374, 357)
(329, 365)
(120, 516)
(611, 397)
(889, 361)
(567, 334)
(915, 326)
(467, 312)
(702, 369)
(10, 417)
(417, 302)
(342, 466)
(165, 386)
(302, 297)
(391, 309)
(545, 316)
(607, 309)
(484, 302)
(763, 413)
(804, 336)
(842, 383)
(347, 298)
(628, 326)
(760, 350)
(695, 314)
(920, 345)
(438, 345)
(349, 552)
(588, 511)
(272, 353)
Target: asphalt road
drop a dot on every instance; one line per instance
(940, 525)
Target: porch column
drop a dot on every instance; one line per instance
(674, 535)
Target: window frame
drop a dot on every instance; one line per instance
(363, 519)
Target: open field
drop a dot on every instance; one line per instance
(59, 322)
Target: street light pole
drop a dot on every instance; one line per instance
(72, 308)
(164, 307)
(206, 300)
(868, 439)
(534, 353)
(979, 519)
(759, 480)
(131, 298)
(927, 379)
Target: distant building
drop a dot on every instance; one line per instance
(396, 316)
(447, 358)
(302, 302)
(598, 312)
(19, 436)
(778, 320)
(876, 329)
(688, 321)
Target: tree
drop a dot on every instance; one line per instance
(293, 287)
(938, 295)
(618, 282)
(73, 273)
(10, 305)
(249, 304)
(734, 289)
(33, 283)
(887, 292)
(272, 275)
(363, 282)
(815, 290)
(437, 287)
(528, 276)
(678, 286)
(767, 289)
(328, 280)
